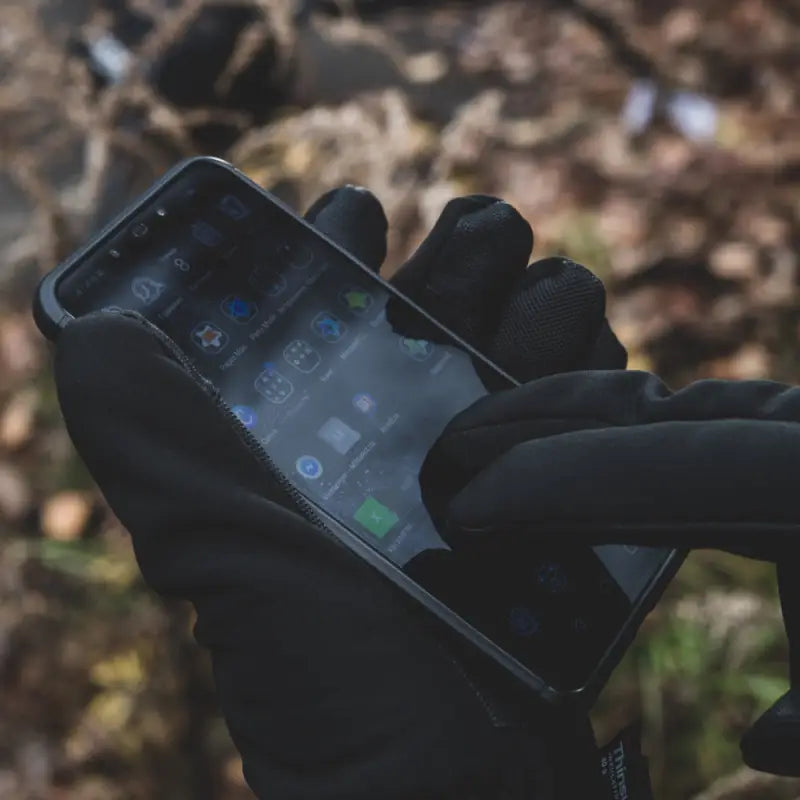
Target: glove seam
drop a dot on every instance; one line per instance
(494, 718)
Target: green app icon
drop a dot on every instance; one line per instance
(375, 517)
(356, 299)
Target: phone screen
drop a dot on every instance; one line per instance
(346, 386)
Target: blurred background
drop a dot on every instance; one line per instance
(654, 141)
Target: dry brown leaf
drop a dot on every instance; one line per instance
(426, 67)
(64, 516)
(752, 362)
(15, 494)
(18, 418)
(734, 261)
(682, 26)
(20, 351)
(233, 771)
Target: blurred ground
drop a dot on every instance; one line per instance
(692, 218)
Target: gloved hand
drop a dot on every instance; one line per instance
(334, 684)
(615, 457)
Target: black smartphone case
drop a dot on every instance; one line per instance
(51, 318)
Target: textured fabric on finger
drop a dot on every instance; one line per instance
(464, 270)
(553, 321)
(353, 217)
(470, 273)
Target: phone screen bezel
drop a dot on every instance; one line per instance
(51, 317)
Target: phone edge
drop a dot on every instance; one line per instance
(48, 314)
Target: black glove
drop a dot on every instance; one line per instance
(616, 457)
(333, 683)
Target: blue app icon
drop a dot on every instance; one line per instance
(309, 467)
(239, 309)
(246, 415)
(328, 327)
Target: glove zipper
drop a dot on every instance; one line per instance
(306, 508)
(255, 447)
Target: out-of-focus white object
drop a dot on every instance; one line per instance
(640, 106)
(695, 116)
(110, 57)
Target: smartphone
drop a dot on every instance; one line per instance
(344, 384)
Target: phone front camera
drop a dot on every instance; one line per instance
(139, 230)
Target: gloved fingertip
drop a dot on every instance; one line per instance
(464, 270)
(551, 320)
(548, 267)
(341, 194)
(483, 214)
(469, 203)
(605, 350)
(354, 218)
(355, 187)
(107, 353)
(98, 339)
(561, 266)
